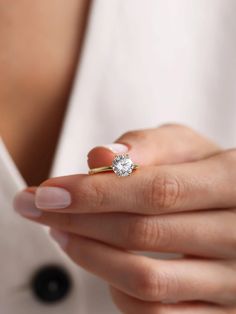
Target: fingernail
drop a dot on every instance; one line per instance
(52, 197)
(116, 147)
(24, 204)
(60, 237)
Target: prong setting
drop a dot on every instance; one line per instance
(122, 165)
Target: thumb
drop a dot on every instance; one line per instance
(167, 144)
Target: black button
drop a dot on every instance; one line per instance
(51, 284)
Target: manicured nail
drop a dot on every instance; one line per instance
(50, 197)
(24, 204)
(60, 237)
(117, 148)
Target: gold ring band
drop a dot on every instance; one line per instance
(122, 166)
(106, 168)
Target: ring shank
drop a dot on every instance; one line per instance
(100, 169)
(106, 168)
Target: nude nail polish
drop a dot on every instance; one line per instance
(50, 197)
(24, 204)
(116, 148)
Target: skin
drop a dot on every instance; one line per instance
(181, 200)
(40, 47)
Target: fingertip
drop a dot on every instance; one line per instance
(24, 204)
(103, 155)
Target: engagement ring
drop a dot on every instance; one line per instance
(122, 165)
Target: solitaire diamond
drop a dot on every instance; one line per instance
(122, 165)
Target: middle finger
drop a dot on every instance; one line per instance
(197, 233)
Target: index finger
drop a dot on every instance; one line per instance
(204, 184)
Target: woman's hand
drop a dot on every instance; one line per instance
(182, 199)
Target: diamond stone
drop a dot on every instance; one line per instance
(122, 165)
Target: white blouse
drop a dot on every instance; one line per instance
(143, 63)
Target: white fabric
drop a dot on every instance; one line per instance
(144, 63)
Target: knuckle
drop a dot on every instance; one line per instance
(164, 191)
(150, 285)
(182, 130)
(92, 192)
(175, 126)
(98, 195)
(134, 134)
(145, 232)
(146, 284)
(141, 232)
(165, 233)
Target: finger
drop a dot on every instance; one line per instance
(205, 184)
(165, 233)
(130, 305)
(163, 145)
(153, 280)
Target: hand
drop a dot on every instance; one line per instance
(182, 199)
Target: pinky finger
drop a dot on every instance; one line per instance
(130, 305)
